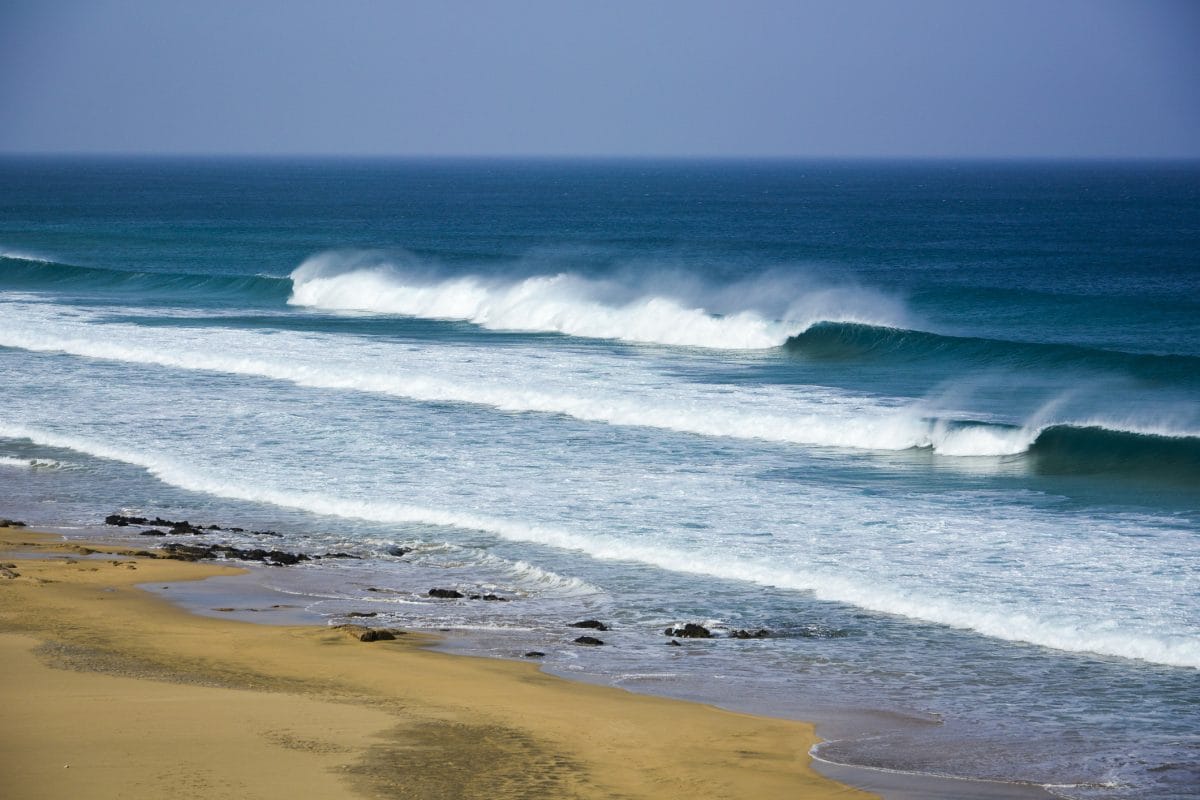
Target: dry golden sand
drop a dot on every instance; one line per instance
(106, 691)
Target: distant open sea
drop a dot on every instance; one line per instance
(935, 426)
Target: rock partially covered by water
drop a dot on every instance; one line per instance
(761, 633)
(121, 521)
(177, 527)
(196, 552)
(448, 594)
(594, 624)
(590, 641)
(689, 631)
(535, 654)
(187, 552)
(11, 523)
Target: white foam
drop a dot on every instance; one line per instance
(981, 440)
(544, 580)
(573, 305)
(30, 463)
(1000, 618)
(602, 389)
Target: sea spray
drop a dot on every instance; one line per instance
(573, 304)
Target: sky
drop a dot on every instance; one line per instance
(687, 78)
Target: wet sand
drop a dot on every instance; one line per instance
(110, 691)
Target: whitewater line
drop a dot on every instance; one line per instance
(1009, 624)
(866, 431)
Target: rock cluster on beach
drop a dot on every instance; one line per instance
(194, 552)
(177, 527)
(198, 551)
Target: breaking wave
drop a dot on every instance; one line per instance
(646, 308)
(812, 417)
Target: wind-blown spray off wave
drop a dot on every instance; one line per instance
(646, 308)
(976, 613)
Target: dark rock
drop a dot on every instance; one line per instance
(495, 598)
(591, 641)
(761, 633)
(237, 530)
(363, 614)
(594, 624)
(364, 634)
(674, 643)
(535, 654)
(398, 551)
(11, 523)
(340, 555)
(689, 631)
(153, 532)
(213, 528)
(121, 521)
(187, 552)
(285, 559)
(445, 593)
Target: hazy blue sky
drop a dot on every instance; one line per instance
(847, 78)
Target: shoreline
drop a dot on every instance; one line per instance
(119, 691)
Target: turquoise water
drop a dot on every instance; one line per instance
(936, 426)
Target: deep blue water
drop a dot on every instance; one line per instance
(935, 425)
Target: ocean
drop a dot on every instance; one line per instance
(933, 426)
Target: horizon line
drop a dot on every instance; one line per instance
(314, 156)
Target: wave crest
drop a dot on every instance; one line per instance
(640, 311)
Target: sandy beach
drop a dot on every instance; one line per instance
(109, 691)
